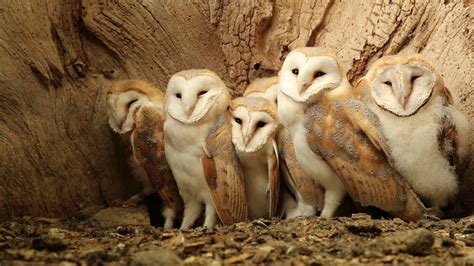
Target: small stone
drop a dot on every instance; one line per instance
(262, 254)
(58, 232)
(369, 230)
(398, 221)
(237, 258)
(230, 243)
(297, 250)
(49, 243)
(448, 242)
(469, 229)
(127, 230)
(360, 216)
(388, 259)
(155, 256)
(117, 216)
(418, 242)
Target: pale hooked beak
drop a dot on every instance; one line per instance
(189, 103)
(248, 136)
(246, 140)
(304, 88)
(403, 100)
(188, 110)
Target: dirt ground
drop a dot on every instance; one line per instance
(121, 236)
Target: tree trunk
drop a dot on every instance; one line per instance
(58, 154)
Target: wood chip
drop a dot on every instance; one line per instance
(238, 258)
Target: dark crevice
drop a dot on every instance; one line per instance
(314, 34)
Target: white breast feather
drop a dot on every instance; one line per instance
(183, 149)
(414, 147)
(255, 167)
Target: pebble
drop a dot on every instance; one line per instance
(49, 243)
(156, 256)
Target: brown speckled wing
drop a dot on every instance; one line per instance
(224, 174)
(309, 189)
(348, 136)
(448, 142)
(148, 149)
(274, 174)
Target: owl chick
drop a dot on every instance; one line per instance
(135, 111)
(426, 133)
(253, 134)
(308, 195)
(338, 141)
(199, 148)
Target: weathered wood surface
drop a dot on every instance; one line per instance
(57, 57)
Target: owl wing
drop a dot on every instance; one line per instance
(299, 182)
(349, 137)
(224, 174)
(148, 150)
(273, 181)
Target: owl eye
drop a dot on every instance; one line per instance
(131, 102)
(238, 120)
(388, 83)
(295, 71)
(202, 92)
(178, 95)
(414, 78)
(261, 124)
(319, 74)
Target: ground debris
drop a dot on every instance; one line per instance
(302, 241)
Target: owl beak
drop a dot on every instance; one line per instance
(246, 140)
(304, 88)
(189, 103)
(248, 136)
(189, 110)
(403, 99)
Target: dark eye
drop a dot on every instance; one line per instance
(178, 95)
(202, 93)
(388, 83)
(319, 74)
(414, 78)
(261, 124)
(238, 121)
(295, 71)
(131, 102)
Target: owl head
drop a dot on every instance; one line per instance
(196, 94)
(263, 87)
(254, 123)
(402, 84)
(309, 71)
(125, 97)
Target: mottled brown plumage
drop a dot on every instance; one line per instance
(148, 150)
(224, 175)
(135, 110)
(348, 136)
(299, 182)
(261, 148)
(426, 131)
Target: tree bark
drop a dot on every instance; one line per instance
(58, 154)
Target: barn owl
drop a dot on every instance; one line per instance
(263, 87)
(198, 147)
(337, 140)
(426, 132)
(254, 127)
(308, 195)
(135, 111)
